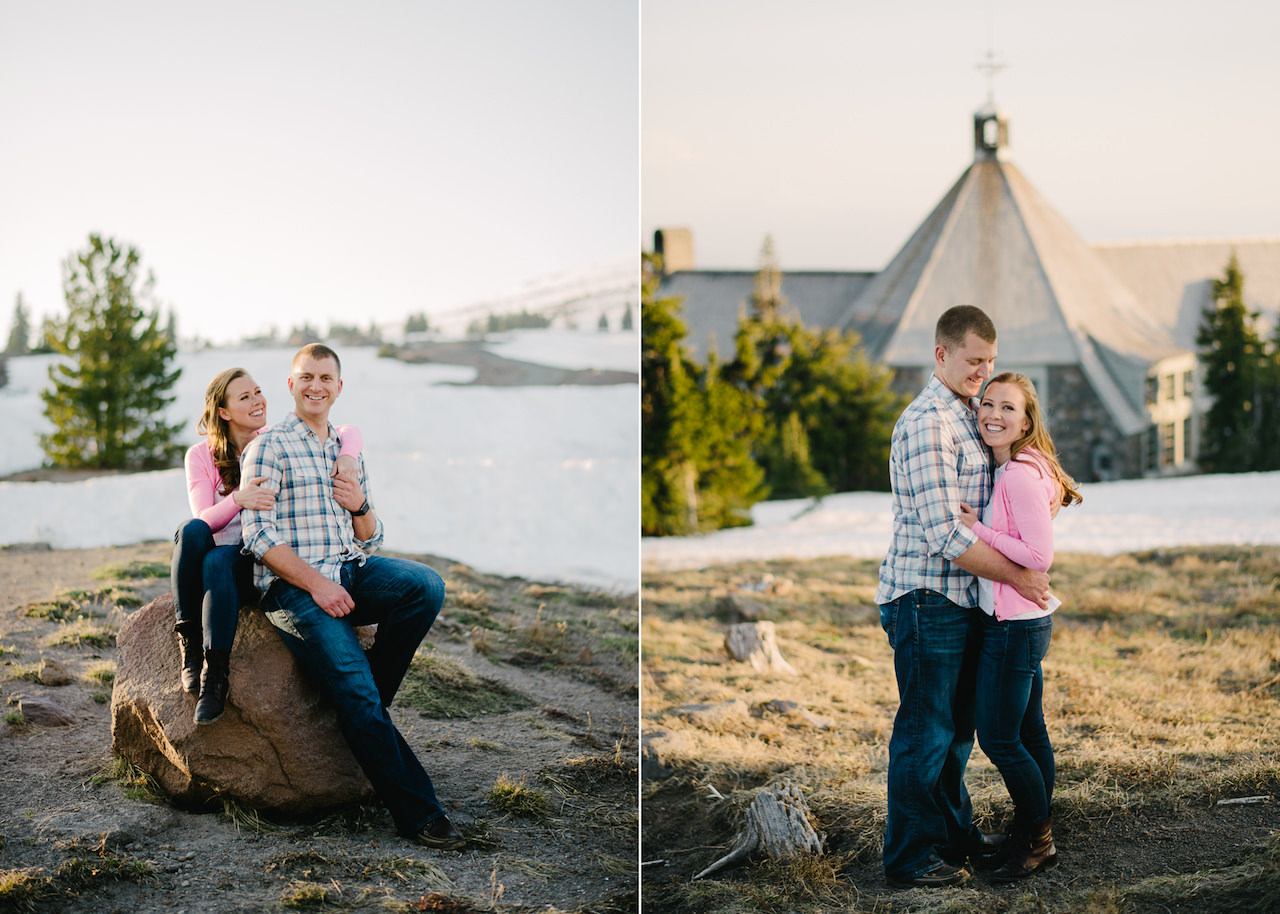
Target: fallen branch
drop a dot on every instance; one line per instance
(1241, 801)
(778, 824)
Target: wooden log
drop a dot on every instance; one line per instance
(756, 643)
(777, 824)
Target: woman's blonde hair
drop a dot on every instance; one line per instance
(1037, 435)
(218, 429)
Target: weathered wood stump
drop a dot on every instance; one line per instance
(756, 643)
(778, 824)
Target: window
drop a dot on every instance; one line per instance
(1153, 387)
(1188, 384)
(1168, 444)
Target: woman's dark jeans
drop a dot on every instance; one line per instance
(1011, 728)
(210, 584)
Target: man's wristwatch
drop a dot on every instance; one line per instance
(364, 509)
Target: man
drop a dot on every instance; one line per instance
(928, 597)
(319, 580)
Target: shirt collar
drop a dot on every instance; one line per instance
(961, 406)
(294, 423)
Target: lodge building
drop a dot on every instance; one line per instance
(1106, 331)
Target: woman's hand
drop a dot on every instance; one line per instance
(967, 515)
(346, 465)
(253, 496)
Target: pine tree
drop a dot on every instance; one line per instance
(108, 397)
(697, 472)
(628, 320)
(19, 329)
(825, 412)
(1232, 357)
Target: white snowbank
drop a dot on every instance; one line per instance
(1115, 517)
(542, 482)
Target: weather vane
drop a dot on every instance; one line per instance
(991, 67)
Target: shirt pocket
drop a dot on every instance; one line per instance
(972, 471)
(304, 480)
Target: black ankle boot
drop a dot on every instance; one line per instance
(213, 687)
(190, 655)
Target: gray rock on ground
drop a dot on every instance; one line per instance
(43, 711)
(277, 746)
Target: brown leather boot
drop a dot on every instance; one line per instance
(1036, 854)
(190, 655)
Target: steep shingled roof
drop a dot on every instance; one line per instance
(1176, 277)
(995, 242)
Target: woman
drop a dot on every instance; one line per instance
(1018, 522)
(211, 578)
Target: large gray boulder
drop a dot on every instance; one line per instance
(277, 746)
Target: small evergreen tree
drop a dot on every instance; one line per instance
(1232, 358)
(696, 468)
(603, 324)
(19, 329)
(628, 320)
(416, 323)
(825, 412)
(108, 398)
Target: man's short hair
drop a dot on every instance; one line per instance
(958, 322)
(318, 351)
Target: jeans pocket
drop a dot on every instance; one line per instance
(889, 622)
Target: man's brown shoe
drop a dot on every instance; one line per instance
(441, 834)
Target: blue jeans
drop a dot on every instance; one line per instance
(403, 598)
(935, 656)
(210, 584)
(1010, 721)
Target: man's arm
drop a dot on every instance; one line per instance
(985, 562)
(352, 495)
(329, 595)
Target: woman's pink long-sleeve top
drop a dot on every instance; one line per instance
(1021, 526)
(219, 511)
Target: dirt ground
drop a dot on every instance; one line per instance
(76, 836)
(681, 839)
(1162, 693)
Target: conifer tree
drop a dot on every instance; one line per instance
(108, 397)
(697, 472)
(1232, 358)
(19, 329)
(824, 412)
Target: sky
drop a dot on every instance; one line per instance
(541, 482)
(836, 127)
(313, 160)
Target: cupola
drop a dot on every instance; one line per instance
(990, 134)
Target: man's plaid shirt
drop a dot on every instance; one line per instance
(306, 517)
(936, 461)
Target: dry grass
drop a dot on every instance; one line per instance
(1162, 693)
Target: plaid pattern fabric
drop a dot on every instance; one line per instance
(937, 460)
(306, 517)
